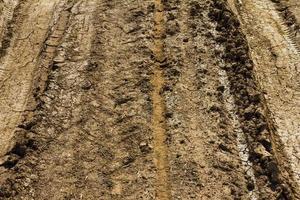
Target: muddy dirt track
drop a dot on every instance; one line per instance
(149, 99)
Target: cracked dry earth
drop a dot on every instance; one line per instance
(149, 99)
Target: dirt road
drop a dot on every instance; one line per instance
(149, 99)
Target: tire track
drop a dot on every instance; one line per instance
(163, 191)
(202, 135)
(19, 65)
(241, 138)
(266, 153)
(276, 60)
(52, 58)
(8, 19)
(24, 141)
(290, 17)
(93, 127)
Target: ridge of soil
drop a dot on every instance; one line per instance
(250, 103)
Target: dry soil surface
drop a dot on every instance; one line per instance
(149, 99)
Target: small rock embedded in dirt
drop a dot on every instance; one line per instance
(224, 147)
(261, 152)
(145, 147)
(123, 100)
(91, 66)
(58, 59)
(128, 160)
(132, 29)
(171, 17)
(86, 85)
(169, 115)
(250, 185)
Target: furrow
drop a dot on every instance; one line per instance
(158, 116)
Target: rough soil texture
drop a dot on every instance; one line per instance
(276, 63)
(152, 99)
(290, 13)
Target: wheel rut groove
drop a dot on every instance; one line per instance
(19, 64)
(252, 108)
(276, 67)
(158, 116)
(290, 14)
(9, 20)
(24, 141)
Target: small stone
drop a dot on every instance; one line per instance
(224, 147)
(128, 160)
(91, 66)
(86, 85)
(145, 147)
(261, 152)
(250, 185)
(58, 59)
(95, 104)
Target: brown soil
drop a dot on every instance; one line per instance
(152, 99)
(290, 13)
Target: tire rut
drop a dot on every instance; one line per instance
(8, 21)
(266, 154)
(201, 134)
(25, 140)
(276, 68)
(18, 68)
(111, 97)
(290, 14)
(158, 118)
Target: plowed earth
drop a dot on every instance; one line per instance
(149, 99)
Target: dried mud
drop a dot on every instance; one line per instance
(290, 13)
(153, 99)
